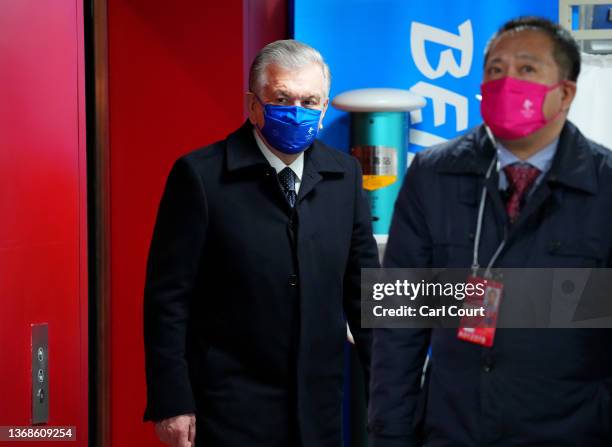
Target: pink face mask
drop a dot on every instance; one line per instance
(513, 108)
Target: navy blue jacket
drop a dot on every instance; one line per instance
(246, 298)
(534, 387)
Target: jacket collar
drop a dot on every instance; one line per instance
(469, 154)
(243, 153)
(573, 165)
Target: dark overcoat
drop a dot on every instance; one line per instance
(246, 298)
(540, 388)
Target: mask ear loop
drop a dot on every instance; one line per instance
(550, 89)
(263, 106)
(259, 100)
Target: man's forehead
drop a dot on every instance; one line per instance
(526, 43)
(525, 55)
(298, 82)
(293, 92)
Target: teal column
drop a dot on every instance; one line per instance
(380, 124)
(379, 140)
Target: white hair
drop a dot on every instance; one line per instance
(289, 54)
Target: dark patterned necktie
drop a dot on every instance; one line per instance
(520, 178)
(287, 180)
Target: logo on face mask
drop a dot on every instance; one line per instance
(290, 129)
(527, 110)
(513, 108)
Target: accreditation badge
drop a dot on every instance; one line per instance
(481, 329)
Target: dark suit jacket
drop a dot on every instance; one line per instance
(246, 298)
(533, 387)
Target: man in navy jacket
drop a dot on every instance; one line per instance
(550, 198)
(254, 266)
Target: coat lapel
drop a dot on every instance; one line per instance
(244, 157)
(319, 162)
(242, 151)
(472, 157)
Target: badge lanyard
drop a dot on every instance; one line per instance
(479, 221)
(481, 329)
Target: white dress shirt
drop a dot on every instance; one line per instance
(541, 160)
(297, 166)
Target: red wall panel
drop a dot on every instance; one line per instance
(43, 257)
(175, 84)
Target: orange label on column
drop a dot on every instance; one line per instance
(379, 165)
(372, 182)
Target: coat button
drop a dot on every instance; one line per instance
(488, 366)
(293, 280)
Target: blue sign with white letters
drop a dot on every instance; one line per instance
(433, 48)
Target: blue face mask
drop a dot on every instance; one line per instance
(290, 129)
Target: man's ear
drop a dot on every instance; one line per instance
(568, 93)
(252, 109)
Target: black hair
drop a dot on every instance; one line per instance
(566, 52)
